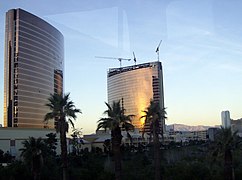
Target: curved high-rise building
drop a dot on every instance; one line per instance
(34, 57)
(135, 86)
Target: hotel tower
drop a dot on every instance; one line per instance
(135, 86)
(33, 69)
(226, 121)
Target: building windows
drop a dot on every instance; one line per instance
(136, 85)
(30, 76)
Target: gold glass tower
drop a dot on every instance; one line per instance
(135, 86)
(33, 69)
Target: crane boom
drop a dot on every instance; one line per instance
(119, 59)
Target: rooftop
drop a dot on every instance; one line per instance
(114, 71)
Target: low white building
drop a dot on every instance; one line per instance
(97, 140)
(11, 138)
(185, 136)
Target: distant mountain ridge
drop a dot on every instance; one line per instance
(183, 127)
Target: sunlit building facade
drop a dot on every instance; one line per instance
(135, 86)
(33, 69)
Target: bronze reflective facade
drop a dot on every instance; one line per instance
(135, 86)
(33, 69)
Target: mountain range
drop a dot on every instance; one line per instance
(183, 127)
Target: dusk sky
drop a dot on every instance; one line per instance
(201, 52)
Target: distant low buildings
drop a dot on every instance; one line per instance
(212, 133)
(185, 136)
(236, 125)
(97, 140)
(11, 138)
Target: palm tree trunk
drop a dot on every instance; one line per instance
(63, 151)
(157, 159)
(117, 158)
(116, 142)
(36, 166)
(228, 165)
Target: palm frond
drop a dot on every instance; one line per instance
(153, 115)
(61, 107)
(116, 118)
(71, 122)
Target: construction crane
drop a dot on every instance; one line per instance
(158, 50)
(119, 59)
(134, 58)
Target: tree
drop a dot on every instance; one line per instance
(51, 143)
(116, 121)
(33, 155)
(153, 116)
(225, 143)
(63, 111)
(76, 141)
(5, 157)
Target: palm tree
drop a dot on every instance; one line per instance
(63, 111)
(153, 115)
(51, 143)
(226, 142)
(116, 121)
(33, 155)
